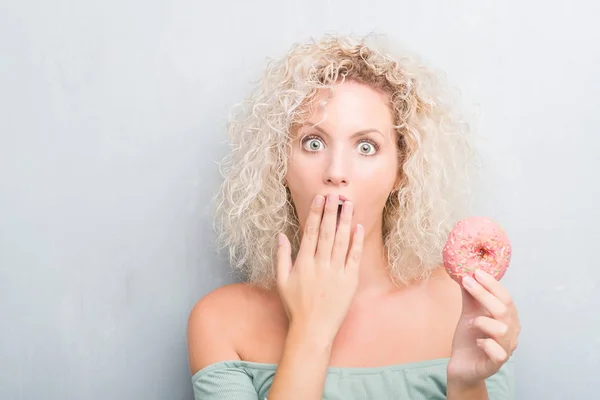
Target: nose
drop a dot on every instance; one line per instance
(337, 171)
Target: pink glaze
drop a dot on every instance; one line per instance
(476, 243)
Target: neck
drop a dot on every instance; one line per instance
(374, 275)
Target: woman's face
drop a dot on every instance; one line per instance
(352, 153)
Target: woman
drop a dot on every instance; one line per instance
(348, 169)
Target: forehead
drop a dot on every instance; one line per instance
(348, 108)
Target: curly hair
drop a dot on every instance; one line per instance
(253, 204)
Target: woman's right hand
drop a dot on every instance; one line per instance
(318, 287)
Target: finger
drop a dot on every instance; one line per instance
(493, 286)
(491, 303)
(496, 354)
(356, 249)
(327, 230)
(342, 237)
(491, 327)
(310, 236)
(284, 258)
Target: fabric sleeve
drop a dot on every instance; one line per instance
(223, 382)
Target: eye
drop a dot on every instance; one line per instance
(367, 148)
(312, 143)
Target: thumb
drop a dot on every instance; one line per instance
(284, 258)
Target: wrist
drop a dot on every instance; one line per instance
(306, 336)
(459, 389)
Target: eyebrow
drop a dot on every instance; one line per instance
(362, 132)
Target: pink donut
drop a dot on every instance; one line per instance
(476, 243)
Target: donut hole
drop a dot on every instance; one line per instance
(483, 252)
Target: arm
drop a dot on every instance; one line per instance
(210, 335)
(303, 367)
(316, 291)
(208, 332)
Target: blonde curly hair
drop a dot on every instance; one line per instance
(253, 204)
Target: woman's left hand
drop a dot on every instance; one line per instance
(487, 331)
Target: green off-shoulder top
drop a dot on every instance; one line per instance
(423, 380)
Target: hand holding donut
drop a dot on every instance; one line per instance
(476, 255)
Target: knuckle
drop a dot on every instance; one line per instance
(326, 234)
(501, 357)
(341, 242)
(503, 312)
(355, 256)
(311, 231)
(339, 245)
(509, 302)
(314, 208)
(322, 267)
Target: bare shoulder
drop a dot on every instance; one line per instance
(217, 321)
(447, 293)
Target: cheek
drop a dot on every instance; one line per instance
(301, 185)
(301, 180)
(377, 181)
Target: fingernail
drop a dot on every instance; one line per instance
(319, 201)
(359, 229)
(468, 281)
(280, 239)
(480, 342)
(470, 322)
(348, 208)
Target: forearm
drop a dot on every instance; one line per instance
(456, 391)
(302, 370)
